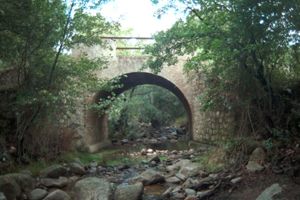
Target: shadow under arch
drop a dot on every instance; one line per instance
(97, 126)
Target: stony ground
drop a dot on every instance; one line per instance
(158, 172)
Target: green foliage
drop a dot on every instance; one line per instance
(144, 104)
(36, 38)
(246, 51)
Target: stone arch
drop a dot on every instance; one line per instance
(97, 126)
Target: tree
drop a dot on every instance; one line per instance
(248, 51)
(144, 104)
(35, 38)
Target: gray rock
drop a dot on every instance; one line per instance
(54, 171)
(191, 183)
(2, 197)
(177, 189)
(150, 177)
(256, 160)
(167, 193)
(190, 170)
(132, 192)
(173, 179)
(204, 194)
(149, 150)
(178, 195)
(191, 198)
(92, 188)
(11, 185)
(37, 194)
(270, 192)
(52, 182)
(190, 192)
(258, 155)
(236, 180)
(253, 166)
(77, 168)
(28, 172)
(181, 176)
(57, 195)
(178, 165)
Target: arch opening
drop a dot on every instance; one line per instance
(97, 133)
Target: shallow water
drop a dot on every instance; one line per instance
(154, 192)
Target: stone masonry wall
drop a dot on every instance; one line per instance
(206, 126)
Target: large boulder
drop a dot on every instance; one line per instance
(77, 168)
(149, 177)
(270, 192)
(9, 188)
(132, 192)
(37, 194)
(55, 182)
(12, 185)
(178, 165)
(191, 170)
(92, 188)
(54, 171)
(256, 160)
(2, 197)
(57, 195)
(254, 166)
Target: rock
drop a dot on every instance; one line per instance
(92, 170)
(92, 188)
(123, 167)
(57, 195)
(150, 150)
(93, 164)
(258, 155)
(173, 141)
(77, 168)
(203, 194)
(73, 179)
(236, 180)
(270, 192)
(11, 185)
(178, 195)
(178, 165)
(191, 183)
(2, 197)
(153, 141)
(37, 194)
(173, 179)
(144, 152)
(129, 192)
(53, 171)
(190, 170)
(51, 182)
(156, 159)
(149, 177)
(181, 176)
(254, 166)
(28, 172)
(191, 198)
(167, 193)
(256, 160)
(190, 192)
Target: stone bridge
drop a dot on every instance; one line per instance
(203, 126)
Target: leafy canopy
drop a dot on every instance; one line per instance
(244, 51)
